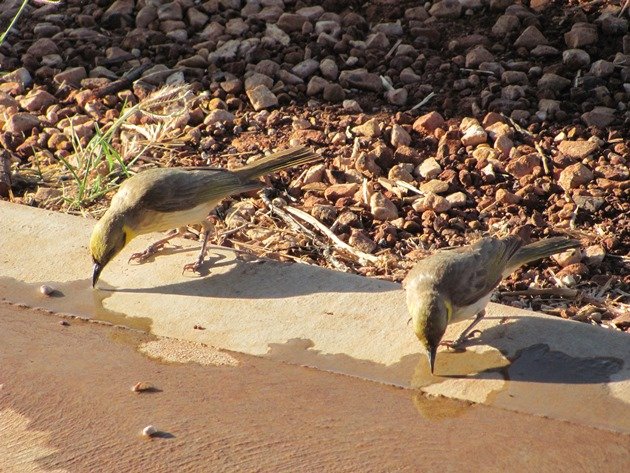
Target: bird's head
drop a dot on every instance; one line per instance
(108, 238)
(430, 315)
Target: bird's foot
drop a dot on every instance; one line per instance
(194, 267)
(143, 256)
(458, 342)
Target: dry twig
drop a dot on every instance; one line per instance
(363, 257)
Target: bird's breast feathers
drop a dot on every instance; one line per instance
(162, 221)
(462, 313)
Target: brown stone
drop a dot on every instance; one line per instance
(575, 175)
(338, 191)
(577, 149)
(427, 124)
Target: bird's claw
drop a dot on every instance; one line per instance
(142, 256)
(455, 344)
(194, 267)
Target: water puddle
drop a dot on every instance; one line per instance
(453, 372)
(75, 298)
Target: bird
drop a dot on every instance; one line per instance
(456, 284)
(161, 199)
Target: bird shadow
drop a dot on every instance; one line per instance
(543, 356)
(264, 279)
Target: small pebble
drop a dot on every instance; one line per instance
(46, 290)
(149, 431)
(65, 323)
(142, 386)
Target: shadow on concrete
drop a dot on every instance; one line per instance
(537, 363)
(267, 279)
(540, 361)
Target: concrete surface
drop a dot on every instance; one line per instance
(66, 406)
(301, 314)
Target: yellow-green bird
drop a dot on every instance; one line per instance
(165, 198)
(455, 284)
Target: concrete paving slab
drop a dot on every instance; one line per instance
(523, 361)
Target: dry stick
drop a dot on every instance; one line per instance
(387, 85)
(297, 226)
(543, 155)
(355, 148)
(366, 192)
(484, 212)
(328, 254)
(546, 291)
(393, 48)
(5, 174)
(409, 187)
(477, 71)
(232, 231)
(294, 224)
(604, 288)
(422, 102)
(574, 215)
(335, 239)
(123, 82)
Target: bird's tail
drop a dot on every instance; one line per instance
(541, 249)
(277, 162)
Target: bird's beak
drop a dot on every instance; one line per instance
(432, 354)
(96, 272)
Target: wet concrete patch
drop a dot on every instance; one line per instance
(476, 376)
(72, 298)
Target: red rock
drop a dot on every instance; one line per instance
(574, 176)
(427, 124)
(524, 165)
(360, 241)
(567, 258)
(291, 22)
(338, 191)
(506, 197)
(382, 208)
(433, 202)
(72, 76)
(577, 149)
(576, 269)
(369, 129)
(43, 47)
(21, 123)
(599, 117)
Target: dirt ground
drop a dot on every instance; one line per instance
(66, 405)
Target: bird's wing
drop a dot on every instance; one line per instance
(471, 273)
(173, 190)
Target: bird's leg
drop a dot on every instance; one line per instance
(208, 227)
(155, 247)
(467, 331)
